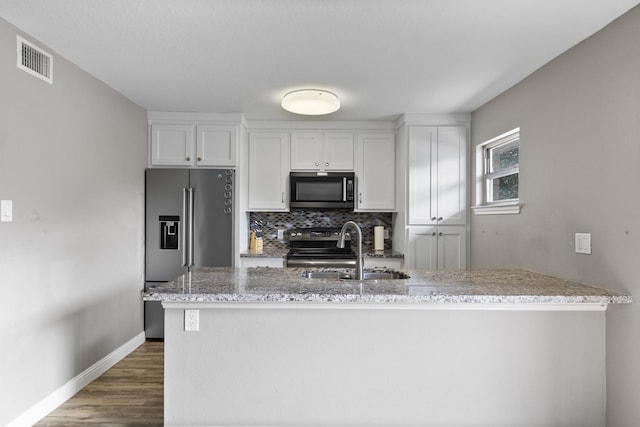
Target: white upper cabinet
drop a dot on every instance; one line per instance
(322, 151)
(194, 145)
(216, 145)
(172, 145)
(375, 172)
(437, 175)
(268, 171)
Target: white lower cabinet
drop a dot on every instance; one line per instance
(436, 248)
(381, 262)
(252, 262)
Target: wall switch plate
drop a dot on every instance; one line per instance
(386, 233)
(6, 210)
(192, 320)
(583, 243)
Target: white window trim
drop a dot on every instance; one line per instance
(509, 207)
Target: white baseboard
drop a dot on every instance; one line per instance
(68, 390)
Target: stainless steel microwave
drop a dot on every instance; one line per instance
(322, 190)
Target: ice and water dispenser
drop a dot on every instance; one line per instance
(169, 231)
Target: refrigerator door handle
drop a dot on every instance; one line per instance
(191, 226)
(184, 227)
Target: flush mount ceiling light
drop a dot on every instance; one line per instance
(311, 102)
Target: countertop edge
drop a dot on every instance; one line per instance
(314, 305)
(479, 301)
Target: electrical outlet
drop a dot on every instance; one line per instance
(192, 320)
(280, 234)
(583, 243)
(386, 233)
(6, 210)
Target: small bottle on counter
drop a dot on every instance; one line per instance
(252, 243)
(258, 249)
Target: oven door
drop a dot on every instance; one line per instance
(320, 259)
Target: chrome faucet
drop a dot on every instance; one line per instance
(340, 244)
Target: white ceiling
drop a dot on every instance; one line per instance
(381, 57)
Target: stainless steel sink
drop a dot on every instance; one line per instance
(367, 275)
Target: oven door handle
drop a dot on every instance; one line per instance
(320, 263)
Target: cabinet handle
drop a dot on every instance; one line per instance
(317, 163)
(440, 234)
(283, 197)
(360, 198)
(326, 164)
(433, 218)
(199, 159)
(433, 233)
(188, 159)
(440, 219)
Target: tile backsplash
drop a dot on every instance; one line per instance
(273, 221)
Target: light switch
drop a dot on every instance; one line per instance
(583, 243)
(6, 210)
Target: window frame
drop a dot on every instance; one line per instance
(485, 205)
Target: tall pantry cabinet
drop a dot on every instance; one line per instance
(436, 216)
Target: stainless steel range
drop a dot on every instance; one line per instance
(317, 247)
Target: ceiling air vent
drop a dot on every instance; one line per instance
(35, 61)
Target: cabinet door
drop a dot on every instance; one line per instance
(322, 151)
(338, 151)
(451, 175)
(305, 151)
(451, 248)
(422, 248)
(436, 248)
(437, 175)
(268, 171)
(376, 172)
(390, 263)
(422, 185)
(171, 145)
(272, 262)
(216, 145)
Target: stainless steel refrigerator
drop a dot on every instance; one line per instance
(189, 224)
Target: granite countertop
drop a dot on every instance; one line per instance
(263, 284)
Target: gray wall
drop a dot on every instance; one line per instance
(580, 172)
(72, 159)
(331, 365)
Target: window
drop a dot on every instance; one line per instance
(498, 170)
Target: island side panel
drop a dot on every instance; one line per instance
(306, 366)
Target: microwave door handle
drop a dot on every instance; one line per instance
(344, 189)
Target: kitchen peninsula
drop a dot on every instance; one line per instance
(495, 347)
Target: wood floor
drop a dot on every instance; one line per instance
(131, 393)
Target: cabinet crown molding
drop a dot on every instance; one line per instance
(460, 119)
(187, 117)
(311, 126)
